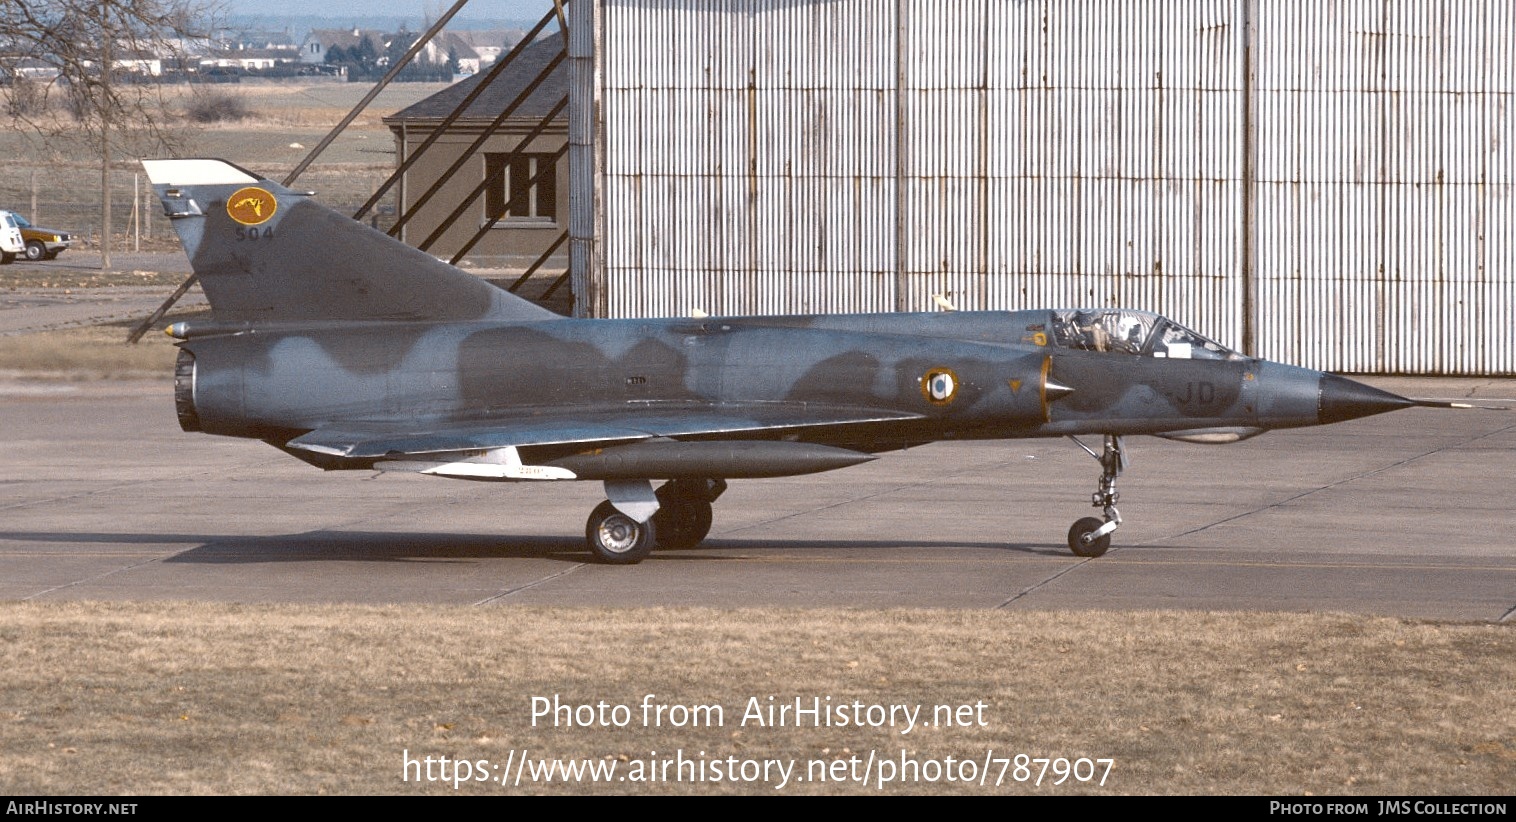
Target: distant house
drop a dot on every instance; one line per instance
(250, 59)
(29, 68)
(133, 61)
(490, 44)
(260, 39)
(448, 46)
(540, 214)
(320, 41)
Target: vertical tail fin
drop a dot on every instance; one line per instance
(264, 253)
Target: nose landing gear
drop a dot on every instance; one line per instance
(1091, 536)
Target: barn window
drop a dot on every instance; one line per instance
(529, 200)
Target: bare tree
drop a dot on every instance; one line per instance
(108, 57)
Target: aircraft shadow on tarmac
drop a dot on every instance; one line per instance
(389, 546)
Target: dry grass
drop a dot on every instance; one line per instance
(94, 352)
(179, 698)
(323, 102)
(75, 271)
(285, 120)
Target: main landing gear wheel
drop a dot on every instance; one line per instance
(684, 512)
(1081, 532)
(682, 523)
(1091, 536)
(617, 539)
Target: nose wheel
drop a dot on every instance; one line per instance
(1081, 541)
(1091, 536)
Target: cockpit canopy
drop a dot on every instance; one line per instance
(1142, 333)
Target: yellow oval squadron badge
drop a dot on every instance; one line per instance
(251, 206)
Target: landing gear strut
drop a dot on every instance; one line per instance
(1091, 536)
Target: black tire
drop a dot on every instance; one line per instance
(6, 258)
(1092, 549)
(36, 251)
(617, 539)
(53, 255)
(682, 522)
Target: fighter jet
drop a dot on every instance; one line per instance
(350, 350)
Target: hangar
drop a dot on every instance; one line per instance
(1323, 184)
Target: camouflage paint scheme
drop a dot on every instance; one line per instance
(350, 350)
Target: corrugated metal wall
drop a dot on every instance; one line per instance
(1329, 184)
(1384, 183)
(750, 162)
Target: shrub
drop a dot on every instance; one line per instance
(26, 98)
(217, 107)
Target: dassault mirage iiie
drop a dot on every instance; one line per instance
(350, 350)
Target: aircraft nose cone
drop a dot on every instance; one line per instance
(1343, 399)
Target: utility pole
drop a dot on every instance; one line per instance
(105, 146)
